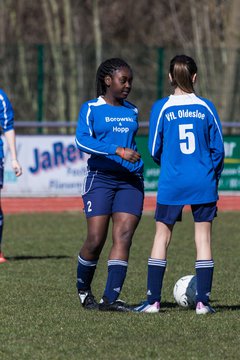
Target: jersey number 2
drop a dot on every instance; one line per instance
(89, 206)
(185, 133)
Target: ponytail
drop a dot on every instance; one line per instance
(182, 69)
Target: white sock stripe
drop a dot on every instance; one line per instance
(204, 264)
(87, 262)
(157, 262)
(117, 262)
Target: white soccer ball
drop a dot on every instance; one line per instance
(184, 291)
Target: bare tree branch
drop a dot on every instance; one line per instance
(180, 34)
(72, 78)
(51, 12)
(97, 32)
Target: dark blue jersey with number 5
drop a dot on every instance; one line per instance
(102, 128)
(185, 139)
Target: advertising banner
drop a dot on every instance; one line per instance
(230, 179)
(151, 169)
(52, 166)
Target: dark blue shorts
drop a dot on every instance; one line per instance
(1, 172)
(169, 214)
(107, 193)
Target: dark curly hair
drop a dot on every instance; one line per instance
(107, 68)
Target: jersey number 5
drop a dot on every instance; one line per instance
(188, 145)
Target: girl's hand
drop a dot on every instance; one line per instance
(16, 167)
(128, 154)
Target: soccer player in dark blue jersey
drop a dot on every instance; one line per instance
(185, 138)
(7, 122)
(113, 187)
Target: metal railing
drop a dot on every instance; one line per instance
(71, 124)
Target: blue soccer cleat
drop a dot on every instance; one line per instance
(148, 308)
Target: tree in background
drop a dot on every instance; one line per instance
(50, 49)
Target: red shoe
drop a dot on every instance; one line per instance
(2, 258)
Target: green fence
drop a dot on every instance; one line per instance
(47, 82)
(230, 179)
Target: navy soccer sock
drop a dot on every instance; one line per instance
(204, 273)
(117, 270)
(156, 270)
(85, 272)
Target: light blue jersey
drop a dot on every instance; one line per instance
(185, 138)
(6, 117)
(102, 128)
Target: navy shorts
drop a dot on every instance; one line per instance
(169, 214)
(1, 172)
(107, 193)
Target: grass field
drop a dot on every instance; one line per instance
(41, 317)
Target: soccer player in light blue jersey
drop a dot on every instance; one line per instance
(113, 188)
(7, 122)
(185, 139)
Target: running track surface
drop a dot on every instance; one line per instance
(61, 204)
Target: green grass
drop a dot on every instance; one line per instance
(41, 317)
